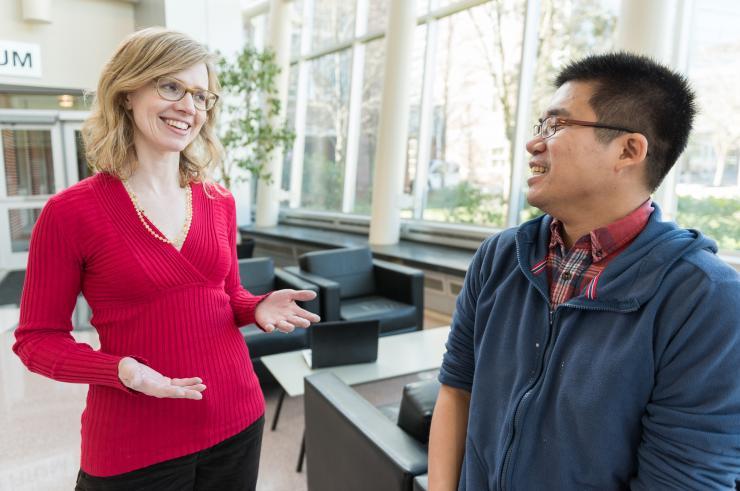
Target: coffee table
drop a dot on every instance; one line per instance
(399, 354)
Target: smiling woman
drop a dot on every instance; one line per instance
(149, 240)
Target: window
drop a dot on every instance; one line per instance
(464, 82)
(708, 180)
(333, 23)
(416, 87)
(372, 89)
(473, 106)
(326, 130)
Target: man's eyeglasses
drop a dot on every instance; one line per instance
(549, 126)
(173, 90)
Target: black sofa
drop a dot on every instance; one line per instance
(351, 444)
(354, 286)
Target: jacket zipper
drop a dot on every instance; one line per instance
(527, 393)
(552, 336)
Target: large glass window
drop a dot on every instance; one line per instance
(708, 182)
(333, 23)
(326, 130)
(377, 15)
(464, 82)
(372, 90)
(416, 87)
(473, 105)
(290, 118)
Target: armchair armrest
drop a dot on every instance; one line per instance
(350, 444)
(401, 283)
(328, 292)
(284, 279)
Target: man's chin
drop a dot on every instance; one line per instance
(537, 202)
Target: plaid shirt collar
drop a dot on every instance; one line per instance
(604, 241)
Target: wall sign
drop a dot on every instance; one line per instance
(20, 59)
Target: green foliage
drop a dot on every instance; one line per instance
(529, 212)
(465, 204)
(718, 218)
(250, 104)
(322, 183)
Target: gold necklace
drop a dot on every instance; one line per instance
(180, 238)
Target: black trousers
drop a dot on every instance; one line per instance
(229, 465)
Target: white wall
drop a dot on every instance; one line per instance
(75, 45)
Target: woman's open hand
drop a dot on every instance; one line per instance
(141, 378)
(279, 311)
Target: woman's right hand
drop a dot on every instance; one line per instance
(141, 378)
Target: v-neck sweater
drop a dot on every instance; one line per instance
(176, 311)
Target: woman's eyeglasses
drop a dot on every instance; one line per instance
(173, 90)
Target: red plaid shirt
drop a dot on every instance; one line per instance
(577, 271)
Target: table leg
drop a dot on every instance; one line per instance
(277, 410)
(302, 456)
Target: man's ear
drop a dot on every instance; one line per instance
(634, 150)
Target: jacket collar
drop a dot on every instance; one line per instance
(631, 278)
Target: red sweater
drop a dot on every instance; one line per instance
(177, 312)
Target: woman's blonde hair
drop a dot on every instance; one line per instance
(142, 57)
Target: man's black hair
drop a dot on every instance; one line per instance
(638, 93)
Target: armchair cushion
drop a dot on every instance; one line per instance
(257, 274)
(352, 268)
(392, 315)
(417, 405)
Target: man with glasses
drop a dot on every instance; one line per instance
(597, 346)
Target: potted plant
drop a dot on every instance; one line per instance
(250, 103)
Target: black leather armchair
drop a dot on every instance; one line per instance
(353, 286)
(259, 276)
(350, 444)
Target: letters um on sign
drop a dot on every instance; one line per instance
(15, 58)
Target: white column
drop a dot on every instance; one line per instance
(658, 29)
(268, 193)
(393, 128)
(646, 28)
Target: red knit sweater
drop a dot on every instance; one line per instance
(177, 312)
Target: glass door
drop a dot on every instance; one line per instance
(74, 152)
(31, 171)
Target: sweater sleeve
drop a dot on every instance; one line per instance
(243, 303)
(43, 337)
(458, 364)
(691, 426)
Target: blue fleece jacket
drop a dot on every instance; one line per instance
(638, 388)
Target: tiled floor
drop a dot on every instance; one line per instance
(40, 422)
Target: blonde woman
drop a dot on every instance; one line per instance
(173, 401)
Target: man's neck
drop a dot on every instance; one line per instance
(578, 225)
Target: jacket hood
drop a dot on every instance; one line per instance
(635, 275)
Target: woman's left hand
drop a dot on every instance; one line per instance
(279, 311)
